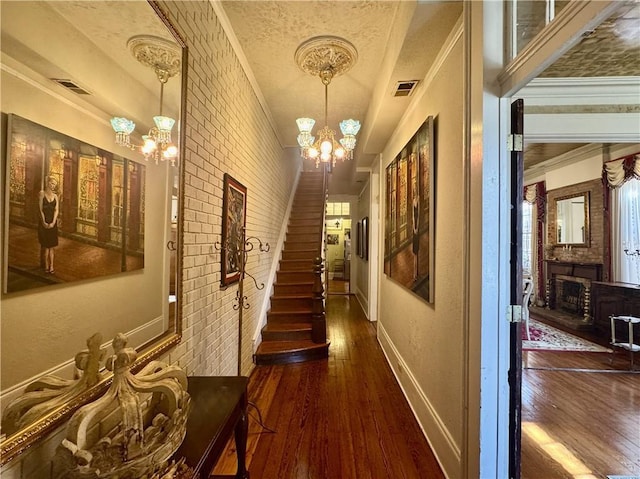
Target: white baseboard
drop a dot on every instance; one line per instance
(439, 438)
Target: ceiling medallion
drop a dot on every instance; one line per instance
(319, 54)
(326, 57)
(162, 55)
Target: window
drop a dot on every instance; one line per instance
(629, 213)
(527, 236)
(528, 18)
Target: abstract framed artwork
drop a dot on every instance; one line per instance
(359, 239)
(409, 227)
(72, 211)
(234, 217)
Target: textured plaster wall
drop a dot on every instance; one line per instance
(227, 132)
(424, 342)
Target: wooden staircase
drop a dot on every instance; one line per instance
(296, 327)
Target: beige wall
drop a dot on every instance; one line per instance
(425, 342)
(226, 132)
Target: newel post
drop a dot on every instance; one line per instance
(318, 321)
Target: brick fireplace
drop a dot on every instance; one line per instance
(569, 287)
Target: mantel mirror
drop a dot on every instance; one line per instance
(572, 220)
(68, 68)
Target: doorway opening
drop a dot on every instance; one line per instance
(338, 247)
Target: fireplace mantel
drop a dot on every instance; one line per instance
(585, 273)
(592, 271)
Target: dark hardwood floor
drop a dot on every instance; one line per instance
(341, 418)
(346, 417)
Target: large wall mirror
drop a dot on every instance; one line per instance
(68, 68)
(572, 220)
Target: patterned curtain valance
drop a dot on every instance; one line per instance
(534, 191)
(616, 172)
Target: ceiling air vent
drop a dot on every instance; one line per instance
(71, 85)
(405, 88)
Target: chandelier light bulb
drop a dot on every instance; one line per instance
(339, 153)
(325, 157)
(170, 152)
(326, 146)
(149, 145)
(313, 153)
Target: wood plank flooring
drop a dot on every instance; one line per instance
(346, 417)
(341, 418)
(580, 416)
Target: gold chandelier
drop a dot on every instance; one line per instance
(326, 57)
(164, 57)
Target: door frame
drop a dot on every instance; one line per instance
(488, 90)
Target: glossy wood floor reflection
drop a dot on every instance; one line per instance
(580, 416)
(341, 418)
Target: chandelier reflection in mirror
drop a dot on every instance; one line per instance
(326, 57)
(165, 59)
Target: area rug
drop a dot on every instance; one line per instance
(548, 338)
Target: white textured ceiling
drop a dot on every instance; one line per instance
(395, 40)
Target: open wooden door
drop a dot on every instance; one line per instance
(515, 273)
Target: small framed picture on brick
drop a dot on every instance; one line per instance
(234, 217)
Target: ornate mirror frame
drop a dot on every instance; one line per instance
(586, 215)
(20, 441)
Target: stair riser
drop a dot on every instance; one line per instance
(300, 254)
(304, 237)
(285, 335)
(305, 229)
(301, 246)
(290, 304)
(284, 289)
(305, 223)
(276, 317)
(288, 266)
(290, 277)
(289, 358)
(314, 219)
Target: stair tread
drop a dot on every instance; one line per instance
(277, 347)
(291, 312)
(293, 296)
(287, 326)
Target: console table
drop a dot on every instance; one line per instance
(218, 409)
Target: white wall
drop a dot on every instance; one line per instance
(424, 342)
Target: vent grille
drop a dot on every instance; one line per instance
(71, 85)
(405, 88)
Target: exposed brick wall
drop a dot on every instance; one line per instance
(595, 252)
(226, 132)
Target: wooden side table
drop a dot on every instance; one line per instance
(218, 409)
(629, 345)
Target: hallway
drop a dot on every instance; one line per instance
(344, 417)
